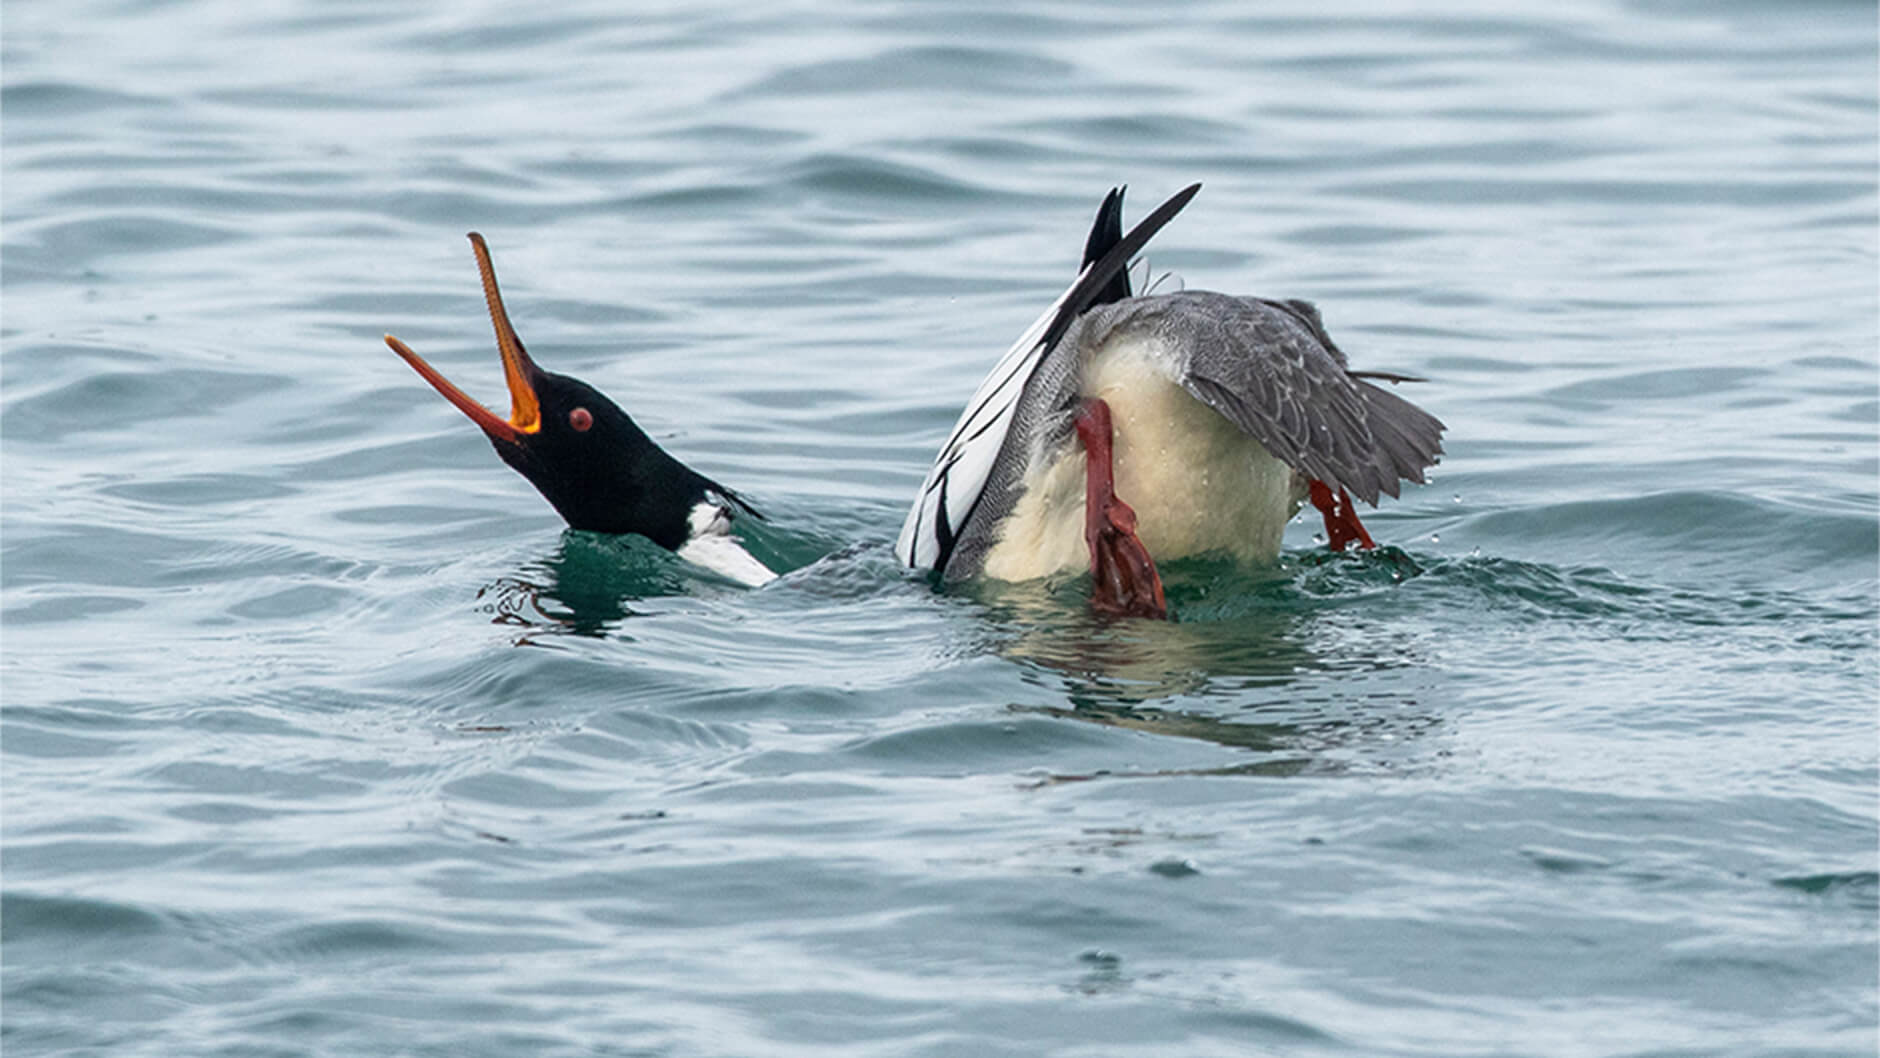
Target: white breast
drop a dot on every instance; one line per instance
(712, 546)
(1197, 483)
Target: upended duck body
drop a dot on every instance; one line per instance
(1121, 429)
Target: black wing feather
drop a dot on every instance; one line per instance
(1114, 260)
(1106, 232)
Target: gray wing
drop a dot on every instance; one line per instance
(1270, 369)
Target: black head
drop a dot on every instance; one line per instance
(586, 456)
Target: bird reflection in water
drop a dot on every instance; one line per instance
(1280, 663)
(1275, 663)
(585, 587)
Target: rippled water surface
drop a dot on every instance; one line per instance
(322, 737)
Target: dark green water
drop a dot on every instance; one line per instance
(321, 737)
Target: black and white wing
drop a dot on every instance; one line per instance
(954, 486)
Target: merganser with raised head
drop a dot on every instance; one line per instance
(591, 461)
(1121, 429)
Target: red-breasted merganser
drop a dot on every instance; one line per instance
(1120, 429)
(591, 461)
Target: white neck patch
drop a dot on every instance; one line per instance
(712, 546)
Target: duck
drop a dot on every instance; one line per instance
(591, 461)
(1123, 429)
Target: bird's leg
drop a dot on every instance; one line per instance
(1123, 579)
(1341, 518)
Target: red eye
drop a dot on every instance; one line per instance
(581, 419)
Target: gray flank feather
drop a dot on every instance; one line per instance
(1270, 368)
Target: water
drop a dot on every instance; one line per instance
(321, 737)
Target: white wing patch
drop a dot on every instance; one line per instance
(965, 462)
(712, 546)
